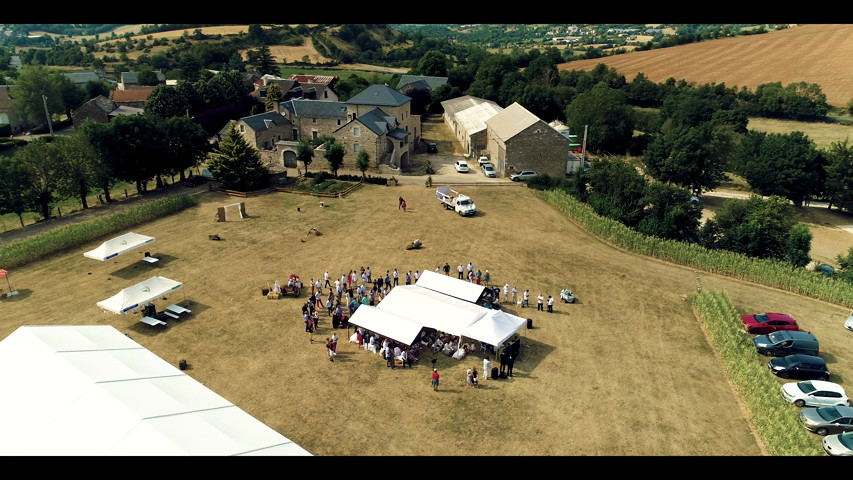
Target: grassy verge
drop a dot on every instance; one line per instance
(774, 418)
(23, 251)
(773, 273)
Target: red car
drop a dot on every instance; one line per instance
(762, 323)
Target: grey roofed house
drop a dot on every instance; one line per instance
(382, 124)
(421, 82)
(82, 78)
(315, 108)
(263, 121)
(379, 95)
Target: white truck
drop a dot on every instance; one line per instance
(453, 200)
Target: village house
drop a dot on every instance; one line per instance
(519, 140)
(100, 109)
(379, 120)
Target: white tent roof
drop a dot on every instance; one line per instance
(461, 289)
(132, 297)
(386, 323)
(90, 390)
(118, 245)
(431, 309)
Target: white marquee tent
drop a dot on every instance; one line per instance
(116, 246)
(139, 294)
(409, 308)
(92, 391)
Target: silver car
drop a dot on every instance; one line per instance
(827, 420)
(489, 170)
(848, 324)
(838, 445)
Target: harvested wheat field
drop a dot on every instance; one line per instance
(817, 53)
(625, 371)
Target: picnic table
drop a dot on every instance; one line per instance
(152, 321)
(178, 309)
(150, 259)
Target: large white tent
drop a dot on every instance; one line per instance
(409, 308)
(118, 245)
(92, 391)
(132, 297)
(461, 289)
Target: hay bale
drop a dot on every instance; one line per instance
(314, 232)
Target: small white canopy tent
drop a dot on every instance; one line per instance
(386, 323)
(116, 246)
(461, 289)
(92, 391)
(139, 294)
(495, 327)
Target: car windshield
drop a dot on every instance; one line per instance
(464, 202)
(846, 440)
(829, 413)
(488, 167)
(775, 337)
(806, 387)
(761, 318)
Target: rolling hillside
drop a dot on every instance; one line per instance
(821, 54)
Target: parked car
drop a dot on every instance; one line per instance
(848, 324)
(768, 322)
(826, 420)
(806, 367)
(461, 166)
(489, 171)
(483, 160)
(815, 393)
(522, 175)
(785, 342)
(432, 147)
(839, 444)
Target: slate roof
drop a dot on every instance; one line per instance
(382, 124)
(316, 108)
(81, 78)
(421, 81)
(263, 121)
(381, 96)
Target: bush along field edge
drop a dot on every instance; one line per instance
(21, 252)
(769, 272)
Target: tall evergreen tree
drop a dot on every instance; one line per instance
(236, 163)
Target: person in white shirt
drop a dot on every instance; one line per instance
(460, 270)
(550, 304)
(506, 293)
(539, 301)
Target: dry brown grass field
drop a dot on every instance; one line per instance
(814, 53)
(625, 371)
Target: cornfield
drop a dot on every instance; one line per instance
(773, 273)
(775, 419)
(39, 246)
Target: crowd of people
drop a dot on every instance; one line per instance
(363, 286)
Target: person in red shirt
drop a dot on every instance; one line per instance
(435, 379)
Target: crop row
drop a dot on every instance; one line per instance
(32, 248)
(775, 419)
(770, 272)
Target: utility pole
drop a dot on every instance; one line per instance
(49, 124)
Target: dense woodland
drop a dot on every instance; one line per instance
(684, 137)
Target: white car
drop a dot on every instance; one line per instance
(489, 171)
(815, 393)
(523, 175)
(483, 160)
(848, 324)
(461, 166)
(838, 445)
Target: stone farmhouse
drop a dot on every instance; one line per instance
(380, 121)
(264, 130)
(7, 114)
(100, 109)
(518, 140)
